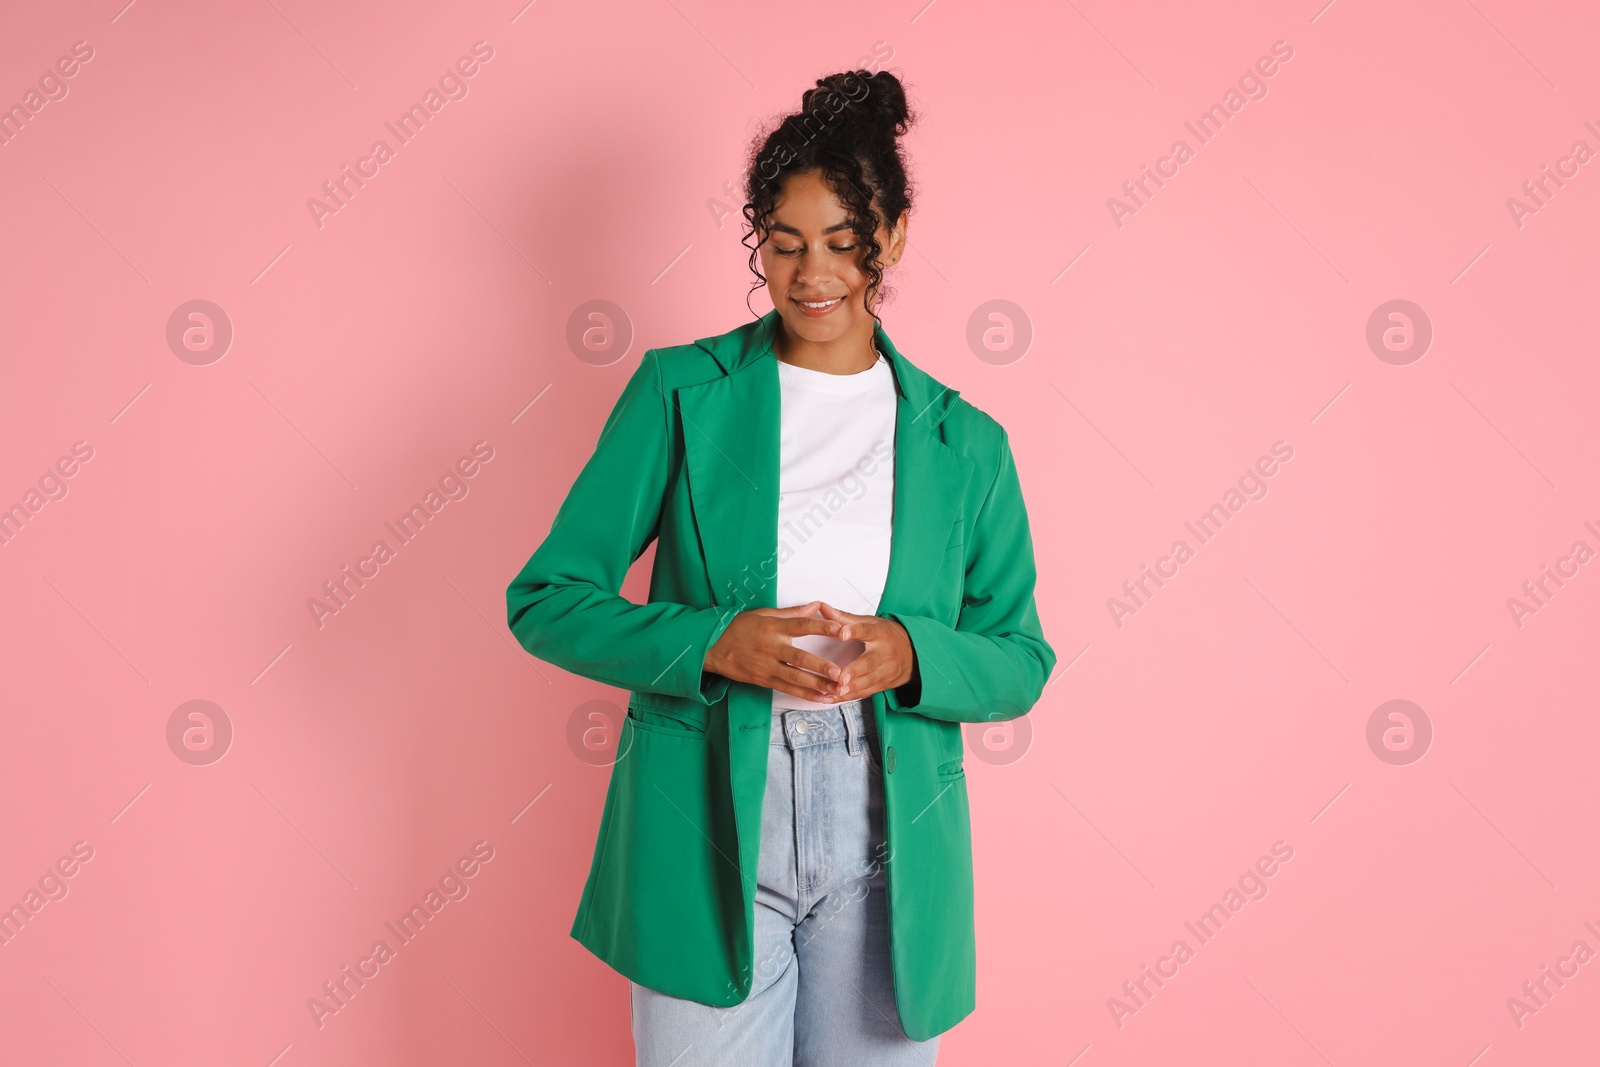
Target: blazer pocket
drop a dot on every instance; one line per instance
(664, 715)
(952, 769)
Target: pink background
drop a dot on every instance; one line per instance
(587, 162)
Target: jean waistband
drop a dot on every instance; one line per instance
(849, 722)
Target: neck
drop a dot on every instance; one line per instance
(850, 354)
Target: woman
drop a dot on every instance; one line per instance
(783, 869)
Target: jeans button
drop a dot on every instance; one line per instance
(801, 727)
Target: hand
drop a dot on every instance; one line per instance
(756, 648)
(888, 662)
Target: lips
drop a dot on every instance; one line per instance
(819, 307)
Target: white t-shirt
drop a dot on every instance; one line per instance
(835, 498)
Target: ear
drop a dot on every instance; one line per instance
(897, 236)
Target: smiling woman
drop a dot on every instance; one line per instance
(839, 187)
(843, 576)
(452, 85)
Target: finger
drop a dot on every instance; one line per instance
(869, 671)
(803, 694)
(850, 620)
(799, 683)
(861, 688)
(868, 629)
(829, 611)
(801, 627)
(794, 610)
(810, 661)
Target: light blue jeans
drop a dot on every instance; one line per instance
(823, 992)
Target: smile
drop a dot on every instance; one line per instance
(819, 307)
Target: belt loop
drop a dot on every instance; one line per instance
(852, 727)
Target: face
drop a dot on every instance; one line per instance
(812, 257)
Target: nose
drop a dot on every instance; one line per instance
(813, 268)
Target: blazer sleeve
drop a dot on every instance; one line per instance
(564, 606)
(993, 664)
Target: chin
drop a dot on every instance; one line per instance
(812, 330)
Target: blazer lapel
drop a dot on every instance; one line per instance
(730, 445)
(930, 484)
(731, 452)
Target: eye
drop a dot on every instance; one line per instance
(840, 249)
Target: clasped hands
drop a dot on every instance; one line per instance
(756, 648)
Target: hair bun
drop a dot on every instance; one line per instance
(876, 100)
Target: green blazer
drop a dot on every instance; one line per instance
(688, 458)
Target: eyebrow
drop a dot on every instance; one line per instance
(780, 227)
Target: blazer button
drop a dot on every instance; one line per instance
(889, 767)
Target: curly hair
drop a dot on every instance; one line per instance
(848, 127)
